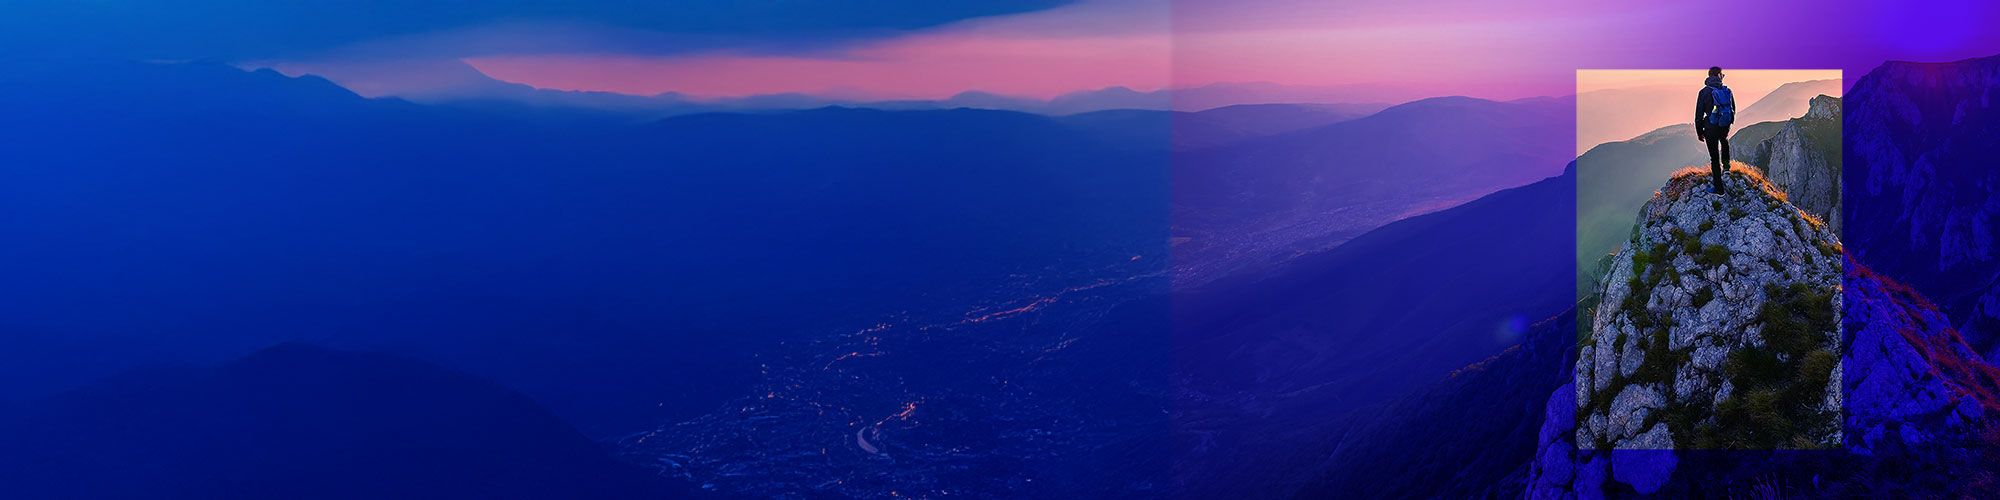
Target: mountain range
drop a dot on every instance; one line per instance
(621, 274)
(458, 84)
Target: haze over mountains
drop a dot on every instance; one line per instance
(456, 83)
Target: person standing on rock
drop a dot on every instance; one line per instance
(1714, 112)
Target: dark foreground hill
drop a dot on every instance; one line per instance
(297, 421)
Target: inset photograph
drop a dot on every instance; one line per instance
(1709, 259)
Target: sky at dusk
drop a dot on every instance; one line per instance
(1384, 51)
(1043, 54)
(1616, 105)
(893, 49)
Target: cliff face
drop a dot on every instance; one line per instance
(1716, 326)
(1803, 160)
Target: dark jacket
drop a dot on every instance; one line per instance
(1704, 103)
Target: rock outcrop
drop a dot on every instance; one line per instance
(1716, 326)
(1715, 365)
(1918, 421)
(1803, 160)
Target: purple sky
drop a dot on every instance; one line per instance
(1534, 47)
(1375, 50)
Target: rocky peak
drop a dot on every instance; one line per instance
(1823, 107)
(1716, 327)
(1804, 158)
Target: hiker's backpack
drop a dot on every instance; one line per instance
(1725, 107)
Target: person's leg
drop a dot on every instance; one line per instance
(1715, 155)
(1725, 153)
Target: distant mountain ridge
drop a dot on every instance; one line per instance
(455, 83)
(1259, 201)
(1791, 100)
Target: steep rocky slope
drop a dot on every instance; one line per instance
(1921, 139)
(1715, 328)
